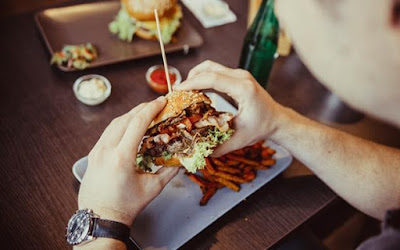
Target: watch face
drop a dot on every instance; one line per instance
(78, 227)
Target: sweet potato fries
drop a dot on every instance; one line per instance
(232, 169)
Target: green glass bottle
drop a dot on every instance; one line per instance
(260, 43)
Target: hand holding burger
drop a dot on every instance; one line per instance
(187, 129)
(259, 116)
(112, 185)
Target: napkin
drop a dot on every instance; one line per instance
(210, 13)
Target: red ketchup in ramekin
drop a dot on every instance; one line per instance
(157, 80)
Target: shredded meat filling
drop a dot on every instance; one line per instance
(200, 108)
(180, 131)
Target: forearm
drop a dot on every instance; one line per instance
(103, 243)
(364, 173)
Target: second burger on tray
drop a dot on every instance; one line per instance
(136, 17)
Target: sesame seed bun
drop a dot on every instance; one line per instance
(177, 101)
(143, 10)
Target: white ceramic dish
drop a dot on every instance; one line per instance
(87, 101)
(215, 9)
(175, 216)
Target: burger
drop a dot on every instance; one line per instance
(184, 133)
(136, 17)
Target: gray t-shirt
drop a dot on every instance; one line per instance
(389, 238)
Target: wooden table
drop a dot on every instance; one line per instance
(45, 129)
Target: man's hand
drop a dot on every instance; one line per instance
(258, 112)
(112, 186)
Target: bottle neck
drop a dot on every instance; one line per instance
(265, 25)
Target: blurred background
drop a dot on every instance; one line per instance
(10, 7)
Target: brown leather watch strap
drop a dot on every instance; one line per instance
(111, 229)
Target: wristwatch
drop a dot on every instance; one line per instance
(85, 226)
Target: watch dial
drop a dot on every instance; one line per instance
(78, 227)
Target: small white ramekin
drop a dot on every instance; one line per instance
(96, 101)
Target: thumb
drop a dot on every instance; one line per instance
(235, 142)
(166, 174)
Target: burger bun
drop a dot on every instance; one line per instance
(143, 10)
(177, 101)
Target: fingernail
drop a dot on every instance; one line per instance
(161, 98)
(178, 86)
(215, 155)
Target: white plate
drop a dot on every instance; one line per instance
(175, 216)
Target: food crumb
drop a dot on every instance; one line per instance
(246, 219)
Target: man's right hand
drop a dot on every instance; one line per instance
(258, 116)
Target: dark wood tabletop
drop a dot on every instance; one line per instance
(45, 129)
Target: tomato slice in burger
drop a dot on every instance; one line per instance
(195, 118)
